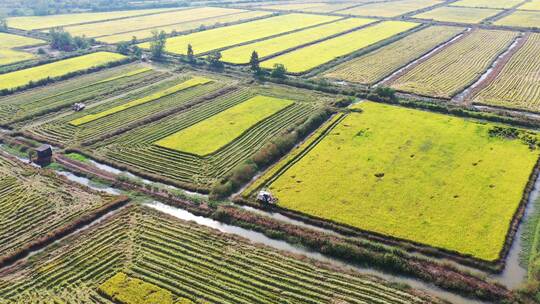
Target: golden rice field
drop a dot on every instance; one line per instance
(311, 7)
(242, 54)
(8, 56)
(50, 21)
(458, 14)
(521, 19)
(23, 77)
(206, 41)
(503, 4)
(10, 41)
(425, 177)
(210, 135)
(450, 71)
(146, 22)
(184, 26)
(375, 66)
(389, 9)
(309, 57)
(533, 5)
(518, 84)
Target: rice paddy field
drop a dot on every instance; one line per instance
(500, 4)
(265, 48)
(457, 66)
(129, 110)
(309, 57)
(404, 174)
(533, 5)
(458, 14)
(518, 84)
(375, 66)
(206, 41)
(21, 78)
(35, 204)
(527, 19)
(389, 9)
(17, 110)
(7, 44)
(51, 21)
(311, 7)
(156, 149)
(185, 26)
(149, 21)
(140, 254)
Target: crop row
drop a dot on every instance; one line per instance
(63, 132)
(137, 149)
(518, 84)
(87, 89)
(458, 65)
(194, 263)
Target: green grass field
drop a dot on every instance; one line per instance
(211, 134)
(415, 175)
(311, 56)
(59, 68)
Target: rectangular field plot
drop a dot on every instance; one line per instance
(518, 84)
(389, 9)
(137, 150)
(210, 135)
(184, 26)
(147, 22)
(377, 65)
(118, 114)
(139, 245)
(242, 54)
(502, 4)
(450, 71)
(43, 22)
(311, 7)
(521, 19)
(309, 57)
(206, 41)
(86, 89)
(35, 204)
(7, 44)
(414, 175)
(458, 14)
(21, 78)
(533, 5)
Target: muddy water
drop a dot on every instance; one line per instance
(257, 237)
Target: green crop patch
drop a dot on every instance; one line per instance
(179, 87)
(126, 290)
(414, 175)
(209, 135)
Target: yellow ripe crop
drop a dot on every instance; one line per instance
(521, 18)
(314, 55)
(459, 14)
(389, 9)
(533, 5)
(415, 175)
(23, 77)
(488, 3)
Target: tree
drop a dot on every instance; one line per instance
(254, 62)
(386, 92)
(3, 25)
(190, 54)
(133, 40)
(157, 44)
(215, 60)
(137, 52)
(278, 71)
(123, 48)
(63, 41)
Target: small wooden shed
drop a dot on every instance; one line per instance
(44, 155)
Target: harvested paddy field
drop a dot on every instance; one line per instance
(375, 66)
(140, 254)
(203, 42)
(458, 14)
(434, 179)
(86, 89)
(528, 19)
(51, 21)
(37, 205)
(60, 68)
(389, 9)
(518, 84)
(450, 71)
(155, 149)
(312, 56)
(242, 54)
(116, 115)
